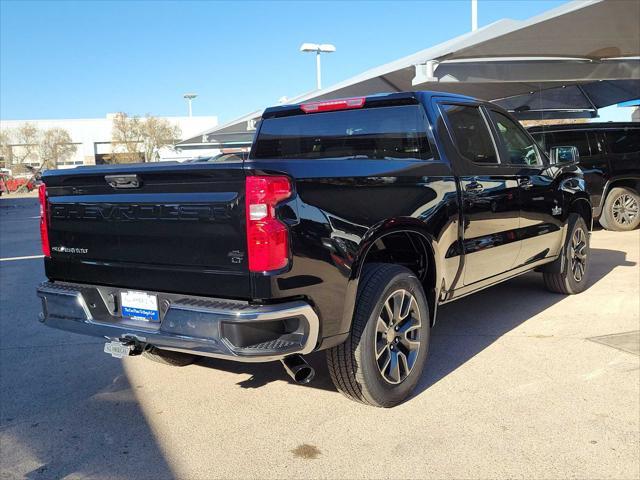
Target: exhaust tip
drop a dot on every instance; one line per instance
(304, 375)
(298, 369)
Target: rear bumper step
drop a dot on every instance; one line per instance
(210, 327)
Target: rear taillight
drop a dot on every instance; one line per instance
(267, 237)
(331, 105)
(44, 220)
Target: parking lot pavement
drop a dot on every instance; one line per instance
(515, 387)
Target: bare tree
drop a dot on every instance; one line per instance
(55, 147)
(126, 139)
(19, 145)
(156, 134)
(5, 148)
(134, 139)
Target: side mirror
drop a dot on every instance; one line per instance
(564, 154)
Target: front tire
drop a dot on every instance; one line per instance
(575, 269)
(621, 210)
(382, 360)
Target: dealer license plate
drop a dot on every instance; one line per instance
(140, 306)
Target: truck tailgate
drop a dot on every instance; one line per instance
(164, 227)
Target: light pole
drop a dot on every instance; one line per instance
(474, 15)
(189, 97)
(318, 48)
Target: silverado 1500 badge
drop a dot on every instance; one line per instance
(63, 249)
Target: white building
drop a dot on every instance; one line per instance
(92, 137)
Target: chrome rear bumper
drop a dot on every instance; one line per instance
(210, 327)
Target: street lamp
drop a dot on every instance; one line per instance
(474, 15)
(189, 97)
(318, 49)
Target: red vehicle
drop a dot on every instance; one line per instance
(10, 184)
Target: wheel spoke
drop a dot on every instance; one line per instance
(403, 362)
(389, 312)
(381, 351)
(394, 368)
(381, 326)
(386, 362)
(398, 298)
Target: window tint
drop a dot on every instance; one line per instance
(568, 138)
(375, 133)
(520, 148)
(471, 133)
(623, 141)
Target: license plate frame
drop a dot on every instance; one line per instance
(136, 305)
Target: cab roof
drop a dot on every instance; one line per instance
(378, 99)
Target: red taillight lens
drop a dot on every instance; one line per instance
(267, 237)
(44, 219)
(331, 105)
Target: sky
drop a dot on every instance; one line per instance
(86, 59)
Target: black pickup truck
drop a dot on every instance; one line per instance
(609, 156)
(347, 226)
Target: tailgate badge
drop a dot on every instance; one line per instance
(63, 249)
(123, 181)
(236, 256)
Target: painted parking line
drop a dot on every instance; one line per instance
(12, 259)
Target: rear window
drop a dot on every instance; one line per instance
(371, 133)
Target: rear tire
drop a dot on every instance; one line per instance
(382, 360)
(168, 357)
(575, 257)
(621, 210)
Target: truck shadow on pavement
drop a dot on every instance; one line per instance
(66, 409)
(470, 325)
(464, 328)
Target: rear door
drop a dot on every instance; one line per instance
(540, 208)
(167, 227)
(491, 209)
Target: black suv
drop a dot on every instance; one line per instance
(610, 159)
(351, 221)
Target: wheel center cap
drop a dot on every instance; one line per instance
(391, 335)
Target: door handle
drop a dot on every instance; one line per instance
(474, 187)
(525, 183)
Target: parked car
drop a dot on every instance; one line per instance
(610, 159)
(351, 221)
(221, 157)
(9, 184)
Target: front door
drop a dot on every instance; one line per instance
(540, 207)
(490, 201)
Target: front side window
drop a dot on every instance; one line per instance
(521, 150)
(471, 133)
(397, 132)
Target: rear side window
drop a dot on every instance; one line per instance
(623, 141)
(471, 133)
(371, 133)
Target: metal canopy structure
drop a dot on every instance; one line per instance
(571, 101)
(564, 63)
